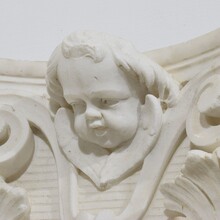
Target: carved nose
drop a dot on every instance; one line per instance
(93, 114)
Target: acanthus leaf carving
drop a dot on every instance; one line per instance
(16, 139)
(141, 139)
(14, 204)
(39, 116)
(198, 185)
(196, 192)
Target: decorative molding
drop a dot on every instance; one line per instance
(195, 194)
(14, 204)
(16, 140)
(203, 122)
(166, 107)
(16, 152)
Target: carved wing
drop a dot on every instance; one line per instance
(191, 64)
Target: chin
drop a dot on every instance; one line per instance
(108, 145)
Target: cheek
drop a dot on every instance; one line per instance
(123, 119)
(79, 124)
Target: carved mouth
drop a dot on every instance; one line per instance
(98, 128)
(100, 131)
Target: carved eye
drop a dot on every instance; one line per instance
(78, 106)
(108, 102)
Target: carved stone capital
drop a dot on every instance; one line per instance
(97, 131)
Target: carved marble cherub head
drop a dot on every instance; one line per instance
(113, 91)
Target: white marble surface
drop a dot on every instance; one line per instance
(118, 128)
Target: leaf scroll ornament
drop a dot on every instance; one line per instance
(195, 195)
(14, 204)
(16, 152)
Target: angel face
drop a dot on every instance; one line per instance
(106, 106)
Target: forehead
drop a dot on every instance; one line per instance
(83, 76)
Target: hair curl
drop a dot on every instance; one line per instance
(154, 78)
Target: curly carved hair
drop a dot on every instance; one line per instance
(154, 79)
